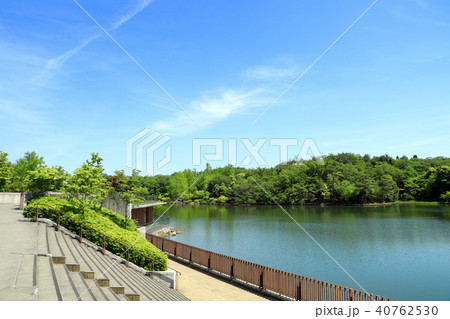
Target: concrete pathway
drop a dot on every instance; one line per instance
(18, 246)
(199, 286)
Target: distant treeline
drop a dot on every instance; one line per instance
(341, 179)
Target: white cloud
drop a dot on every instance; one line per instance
(210, 109)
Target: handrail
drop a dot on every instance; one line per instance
(98, 231)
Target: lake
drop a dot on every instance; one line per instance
(400, 252)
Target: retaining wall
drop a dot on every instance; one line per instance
(10, 198)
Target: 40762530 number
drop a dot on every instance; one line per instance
(407, 310)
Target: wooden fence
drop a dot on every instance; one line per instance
(284, 283)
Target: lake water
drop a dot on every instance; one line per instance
(400, 252)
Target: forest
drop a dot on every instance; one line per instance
(343, 178)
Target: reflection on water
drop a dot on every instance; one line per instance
(401, 252)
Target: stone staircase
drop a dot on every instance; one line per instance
(65, 269)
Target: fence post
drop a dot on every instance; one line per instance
(57, 227)
(37, 213)
(261, 283)
(81, 233)
(232, 270)
(299, 290)
(104, 245)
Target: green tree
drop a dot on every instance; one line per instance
(438, 181)
(130, 190)
(46, 179)
(446, 197)
(87, 183)
(388, 189)
(5, 169)
(178, 184)
(21, 171)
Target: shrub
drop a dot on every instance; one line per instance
(105, 221)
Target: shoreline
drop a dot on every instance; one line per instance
(424, 203)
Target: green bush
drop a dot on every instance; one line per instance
(107, 222)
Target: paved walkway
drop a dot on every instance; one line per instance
(18, 246)
(199, 286)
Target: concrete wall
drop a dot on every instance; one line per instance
(10, 198)
(118, 206)
(21, 199)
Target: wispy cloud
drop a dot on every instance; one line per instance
(209, 109)
(53, 65)
(141, 5)
(256, 89)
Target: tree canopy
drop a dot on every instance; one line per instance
(344, 178)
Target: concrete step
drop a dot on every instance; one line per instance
(82, 289)
(88, 274)
(148, 288)
(42, 239)
(71, 247)
(94, 259)
(92, 289)
(47, 289)
(93, 272)
(124, 283)
(103, 282)
(114, 295)
(26, 271)
(52, 245)
(133, 297)
(151, 289)
(59, 260)
(66, 285)
(73, 267)
(108, 266)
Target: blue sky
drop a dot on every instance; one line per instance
(208, 69)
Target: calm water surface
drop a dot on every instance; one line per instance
(401, 252)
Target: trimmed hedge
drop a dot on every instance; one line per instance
(107, 222)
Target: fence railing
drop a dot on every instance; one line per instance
(127, 248)
(290, 285)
